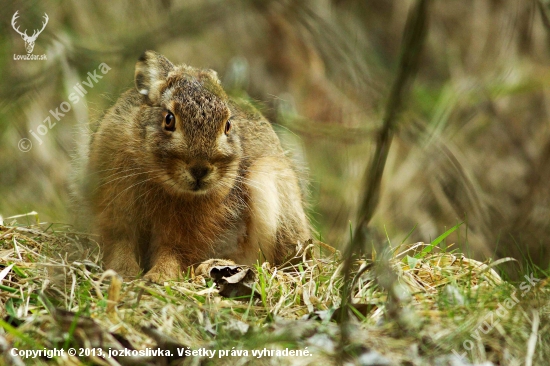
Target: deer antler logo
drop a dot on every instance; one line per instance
(29, 41)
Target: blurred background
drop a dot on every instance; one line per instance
(474, 137)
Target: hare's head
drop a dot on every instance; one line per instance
(186, 127)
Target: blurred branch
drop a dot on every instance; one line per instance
(543, 5)
(414, 36)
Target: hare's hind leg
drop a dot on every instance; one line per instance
(276, 220)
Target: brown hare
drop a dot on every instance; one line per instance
(179, 174)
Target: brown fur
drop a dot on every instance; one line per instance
(153, 215)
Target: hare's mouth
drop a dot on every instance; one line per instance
(184, 187)
(193, 186)
(200, 187)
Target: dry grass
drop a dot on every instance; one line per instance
(50, 298)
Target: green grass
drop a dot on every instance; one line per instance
(441, 302)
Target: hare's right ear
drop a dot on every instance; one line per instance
(151, 72)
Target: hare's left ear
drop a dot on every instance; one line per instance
(150, 75)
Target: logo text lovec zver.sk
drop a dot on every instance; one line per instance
(29, 40)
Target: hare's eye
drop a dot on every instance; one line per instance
(169, 122)
(227, 126)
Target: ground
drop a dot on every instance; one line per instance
(443, 309)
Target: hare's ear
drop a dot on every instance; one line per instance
(151, 72)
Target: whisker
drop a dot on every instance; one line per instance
(127, 188)
(127, 176)
(106, 170)
(149, 190)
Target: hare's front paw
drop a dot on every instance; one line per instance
(161, 273)
(128, 269)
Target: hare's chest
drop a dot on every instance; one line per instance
(227, 244)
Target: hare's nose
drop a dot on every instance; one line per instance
(199, 172)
